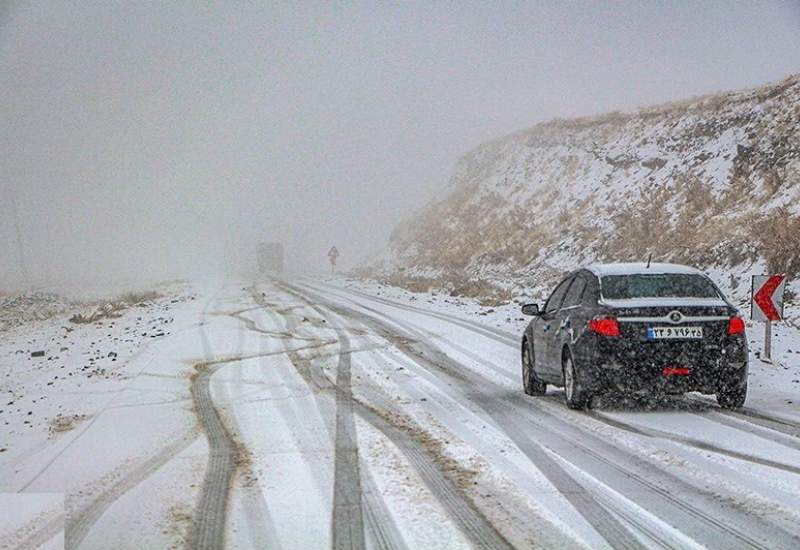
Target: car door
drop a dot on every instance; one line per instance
(543, 332)
(567, 320)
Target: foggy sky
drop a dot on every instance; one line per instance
(147, 140)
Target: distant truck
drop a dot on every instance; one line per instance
(270, 258)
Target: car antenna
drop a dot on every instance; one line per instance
(649, 257)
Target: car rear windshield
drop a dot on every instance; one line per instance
(622, 287)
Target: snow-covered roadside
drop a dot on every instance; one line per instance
(55, 376)
(71, 420)
(774, 386)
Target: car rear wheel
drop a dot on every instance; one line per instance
(575, 395)
(732, 398)
(530, 382)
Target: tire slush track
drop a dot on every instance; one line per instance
(472, 383)
(208, 525)
(260, 527)
(77, 528)
(347, 521)
(209, 522)
(470, 521)
(756, 417)
(45, 532)
(696, 443)
(348, 515)
(595, 514)
(385, 533)
(752, 428)
(207, 531)
(495, 334)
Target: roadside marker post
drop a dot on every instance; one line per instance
(766, 304)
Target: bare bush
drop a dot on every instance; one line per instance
(115, 308)
(778, 234)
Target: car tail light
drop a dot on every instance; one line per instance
(675, 371)
(736, 325)
(605, 326)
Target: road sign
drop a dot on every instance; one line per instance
(767, 297)
(766, 304)
(333, 253)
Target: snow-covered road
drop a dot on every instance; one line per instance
(314, 414)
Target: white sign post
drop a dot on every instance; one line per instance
(766, 304)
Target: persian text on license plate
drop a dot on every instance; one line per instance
(674, 333)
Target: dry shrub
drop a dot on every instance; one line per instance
(485, 292)
(778, 235)
(137, 298)
(411, 283)
(110, 310)
(115, 308)
(639, 227)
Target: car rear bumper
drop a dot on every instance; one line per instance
(643, 367)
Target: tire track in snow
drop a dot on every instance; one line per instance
(209, 521)
(466, 517)
(347, 518)
(495, 334)
(348, 515)
(470, 521)
(753, 416)
(260, 527)
(696, 443)
(751, 428)
(47, 527)
(595, 514)
(688, 513)
(372, 508)
(207, 531)
(79, 525)
(376, 516)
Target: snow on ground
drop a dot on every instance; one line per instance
(79, 409)
(336, 411)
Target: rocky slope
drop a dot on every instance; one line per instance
(712, 181)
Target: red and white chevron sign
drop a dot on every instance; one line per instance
(767, 297)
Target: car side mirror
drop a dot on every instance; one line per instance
(530, 309)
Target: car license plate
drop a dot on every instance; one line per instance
(674, 333)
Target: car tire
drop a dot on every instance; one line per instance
(732, 397)
(575, 396)
(531, 384)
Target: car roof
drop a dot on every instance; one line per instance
(641, 268)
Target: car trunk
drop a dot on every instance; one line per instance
(635, 323)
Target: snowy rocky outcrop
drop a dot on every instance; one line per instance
(712, 181)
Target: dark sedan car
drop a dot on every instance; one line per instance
(636, 328)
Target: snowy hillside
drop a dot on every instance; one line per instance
(712, 181)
